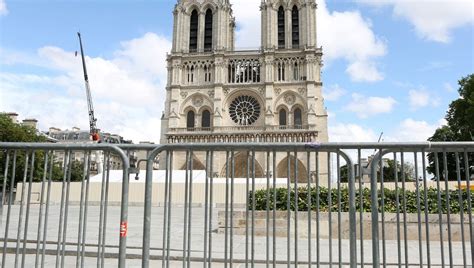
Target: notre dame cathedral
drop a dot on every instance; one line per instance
(218, 93)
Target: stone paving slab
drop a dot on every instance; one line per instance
(134, 241)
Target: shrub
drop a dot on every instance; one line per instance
(339, 201)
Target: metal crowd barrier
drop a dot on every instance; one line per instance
(37, 233)
(241, 205)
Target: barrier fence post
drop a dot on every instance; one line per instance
(375, 211)
(123, 209)
(352, 214)
(416, 219)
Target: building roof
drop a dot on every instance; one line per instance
(84, 136)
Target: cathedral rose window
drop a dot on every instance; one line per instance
(244, 110)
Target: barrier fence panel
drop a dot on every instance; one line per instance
(40, 224)
(432, 224)
(236, 205)
(356, 213)
(249, 204)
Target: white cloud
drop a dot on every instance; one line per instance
(420, 98)
(432, 19)
(333, 92)
(127, 90)
(340, 132)
(410, 130)
(369, 106)
(136, 55)
(357, 44)
(3, 8)
(361, 71)
(351, 133)
(247, 16)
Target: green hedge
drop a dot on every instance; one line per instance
(389, 200)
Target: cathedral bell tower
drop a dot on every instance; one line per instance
(217, 93)
(288, 24)
(203, 26)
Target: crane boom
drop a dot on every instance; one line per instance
(92, 120)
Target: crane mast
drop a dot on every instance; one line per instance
(92, 120)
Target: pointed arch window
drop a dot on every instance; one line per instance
(208, 31)
(281, 71)
(296, 71)
(298, 118)
(281, 27)
(190, 71)
(295, 27)
(206, 120)
(282, 118)
(193, 31)
(190, 120)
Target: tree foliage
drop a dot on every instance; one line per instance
(33, 160)
(12, 132)
(459, 127)
(388, 172)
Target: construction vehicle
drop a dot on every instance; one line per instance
(94, 132)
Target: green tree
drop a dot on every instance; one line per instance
(388, 171)
(13, 132)
(459, 127)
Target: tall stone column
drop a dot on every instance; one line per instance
(175, 30)
(263, 21)
(288, 38)
(219, 29)
(268, 111)
(312, 25)
(273, 27)
(218, 103)
(201, 23)
(183, 38)
(268, 69)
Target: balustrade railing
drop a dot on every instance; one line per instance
(231, 129)
(245, 67)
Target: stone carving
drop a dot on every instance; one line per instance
(226, 91)
(173, 114)
(262, 90)
(277, 91)
(269, 110)
(184, 94)
(211, 93)
(302, 91)
(289, 98)
(220, 63)
(198, 101)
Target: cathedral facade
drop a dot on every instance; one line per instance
(217, 93)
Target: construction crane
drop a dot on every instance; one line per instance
(94, 132)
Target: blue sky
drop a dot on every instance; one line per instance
(390, 65)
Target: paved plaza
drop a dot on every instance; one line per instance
(134, 241)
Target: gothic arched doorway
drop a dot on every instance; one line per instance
(197, 164)
(282, 170)
(240, 167)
